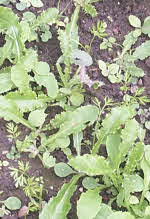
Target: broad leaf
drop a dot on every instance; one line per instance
(92, 165)
(5, 82)
(104, 212)
(49, 82)
(12, 203)
(9, 111)
(37, 118)
(142, 52)
(20, 78)
(134, 21)
(47, 17)
(59, 206)
(89, 204)
(62, 169)
(48, 161)
(90, 183)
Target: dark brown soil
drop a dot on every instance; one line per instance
(118, 10)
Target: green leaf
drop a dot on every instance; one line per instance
(89, 204)
(37, 118)
(77, 99)
(102, 65)
(59, 206)
(129, 41)
(112, 146)
(9, 111)
(146, 169)
(92, 165)
(90, 9)
(36, 3)
(146, 26)
(104, 212)
(147, 125)
(73, 122)
(7, 18)
(49, 82)
(21, 6)
(81, 58)
(27, 102)
(120, 215)
(63, 170)
(62, 142)
(42, 68)
(48, 161)
(47, 17)
(12, 203)
(77, 138)
(90, 183)
(5, 82)
(20, 78)
(142, 52)
(134, 157)
(134, 21)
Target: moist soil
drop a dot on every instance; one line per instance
(118, 11)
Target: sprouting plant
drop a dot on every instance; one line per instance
(108, 43)
(12, 129)
(32, 186)
(98, 30)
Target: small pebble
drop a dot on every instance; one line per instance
(81, 189)
(4, 152)
(51, 187)
(23, 211)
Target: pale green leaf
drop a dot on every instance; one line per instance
(102, 65)
(142, 51)
(77, 138)
(21, 6)
(90, 183)
(104, 212)
(37, 118)
(90, 164)
(146, 169)
(90, 9)
(89, 204)
(36, 3)
(9, 111)
(59, 206)
(134, 21)
(12, 203)
(5, 82)
(48, 161)
(77, 99)
(146, 26)
(49, 82)
(42, 68)
(81, 58)
(62, 169)
(20, 78)
(62, 142)
(133, 200)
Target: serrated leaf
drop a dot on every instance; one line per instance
(134, 157)
(90, 164)
(73, 122)
(62, 169)
(129, 41)
(89, 204)
(142, 52)
(20, 78)
(9, 111)
(59, 206)
(90, 9)
(134, 21)
(47, 17)
(48, 161)
(27, 102)
(37, 118)
(49, 82)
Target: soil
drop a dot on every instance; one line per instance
(118, 10)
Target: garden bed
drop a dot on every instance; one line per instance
(12, 150)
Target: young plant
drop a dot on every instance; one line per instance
(87, 6)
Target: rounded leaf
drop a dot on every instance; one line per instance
(13, 203)
(37, 118)
(36, 3)
(77, 99)
(134, 21)
(120, 215)
(89, 183)
(81, 58)
(62, 169)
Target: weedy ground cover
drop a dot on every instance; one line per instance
(98, 144)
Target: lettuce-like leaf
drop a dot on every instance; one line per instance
(59, 206)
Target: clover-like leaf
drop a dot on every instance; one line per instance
(12, 203)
